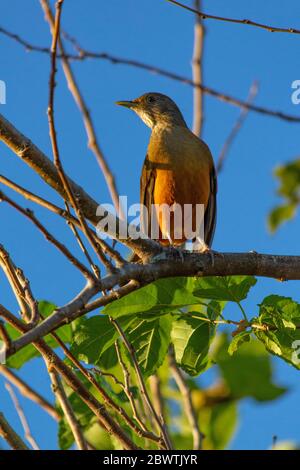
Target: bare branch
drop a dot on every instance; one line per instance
(142, 384)
(243, 114)
(60, 246)
(197, 73)
(187, 403)
(28, 392)
(31, 155)
(65, 214)
(88, 123)
(66, 407)
(140, 431)
(106, 421)
(84, 54)
(11, 437)
(57, 162)
(192, 264)
(10, 271)
(24, 422)
(205, 16)
(126, 387)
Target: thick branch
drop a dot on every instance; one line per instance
(193, 264)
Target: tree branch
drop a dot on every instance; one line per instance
(187, 403)
(28, 392)
(66, 407)
(11, 437)
(84, 54)
(205, 16)
(88, 123)
(197, 73)
(237, 126)
(279, 267)
(106, 421)
(41, 164)
(62, 213)
(27, 433)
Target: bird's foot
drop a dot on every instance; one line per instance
(209, 251)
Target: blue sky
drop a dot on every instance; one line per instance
(158, 33)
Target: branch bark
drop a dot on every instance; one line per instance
(41, 164)
(197, 72)
(267, 27)
(279, 267)
(27, 391)
(85, 54)
(11, 437)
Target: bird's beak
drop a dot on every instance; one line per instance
(127, 104)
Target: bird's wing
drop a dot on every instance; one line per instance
(211, 210)
(147, 194)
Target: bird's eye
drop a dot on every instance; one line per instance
(150, 99)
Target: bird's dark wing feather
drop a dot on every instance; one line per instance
(147, 193)
(211, 210)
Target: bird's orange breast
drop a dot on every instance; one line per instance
(183, 164)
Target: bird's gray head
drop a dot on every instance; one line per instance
(155, 109)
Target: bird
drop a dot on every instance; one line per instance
(178, 171)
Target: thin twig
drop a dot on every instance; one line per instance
(66, 215)
(10, 271)
(127, 389)
(197, 73)
(27, 433)
(27, 391)
(67, 409)
(60, 246)
(52, 130)
(155, 387)
(142, 384)
(84, 54)
(88, 123)
(237, 126)
(141, 432)
(105, 420)
(205, 16)
(186, 403)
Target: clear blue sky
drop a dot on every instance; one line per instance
(158, 33)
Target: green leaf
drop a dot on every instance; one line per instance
(248, 373)
(191, 338)
(281, 316)
(281, 214)
(93, 336)
(289, 189)
(108, 359)
(238, 340)
(289, 179)
(29, 352)
(223, 422)
(150, 340)
(162, 296)
(229, 288)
